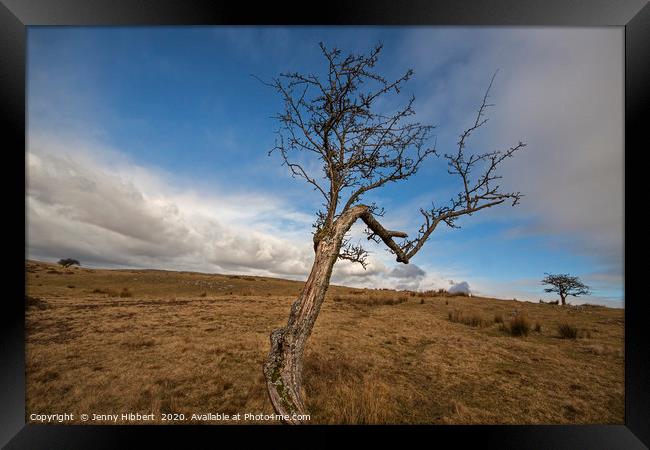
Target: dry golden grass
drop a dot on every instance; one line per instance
(194, 343)
(473, 320)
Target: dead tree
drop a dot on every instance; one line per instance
(334, 119)
(564, 285)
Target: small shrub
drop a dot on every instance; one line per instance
(203, 294)
(390, 301)
(71, 286)
(473, 320)
(421, 301)
(519, 326)
(126, 293)
(370, 301)
(538, 327)
(567, 331)
(498, 318)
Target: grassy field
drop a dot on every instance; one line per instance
(149, 341)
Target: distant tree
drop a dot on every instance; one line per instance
(565, 285)
(358, 146)
(69, 262)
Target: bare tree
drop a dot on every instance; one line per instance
(334, 118)
(565, 285)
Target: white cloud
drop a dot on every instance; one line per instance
(83, 206)
(459, 288)
(94, 204)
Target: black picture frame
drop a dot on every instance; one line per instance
(16, 15)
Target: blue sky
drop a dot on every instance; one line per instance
(149, 146)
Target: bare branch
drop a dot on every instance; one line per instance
(362, 150)
(354, 253)
(297, 170)
(477, 193)
(385, 235)
(333, 119)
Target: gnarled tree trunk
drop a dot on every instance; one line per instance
(283, 366)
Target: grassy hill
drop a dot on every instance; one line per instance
(151, 341)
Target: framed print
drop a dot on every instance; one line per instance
(379, 219)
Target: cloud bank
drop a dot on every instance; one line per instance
(121, 214)
(93, 204)
(561, 92)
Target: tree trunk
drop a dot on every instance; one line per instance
(563, 297)
(283, 365)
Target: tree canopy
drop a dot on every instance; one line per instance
(359, 147)
(67, 262)
(565, 285)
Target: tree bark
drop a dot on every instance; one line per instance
(563, 297)
(283, 365)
